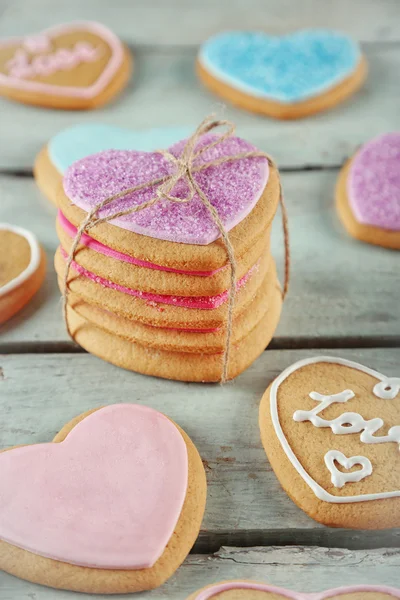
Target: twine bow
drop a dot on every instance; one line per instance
(184, 170)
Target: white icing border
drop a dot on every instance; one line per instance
(318, 490)
(33, 263)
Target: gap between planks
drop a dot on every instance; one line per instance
(209, 542)
(278, 343)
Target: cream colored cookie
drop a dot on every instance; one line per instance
(74, 66)
(22, 269)
(158, 281)
(176, 365)
(173, 339)
(331, 431)
(157, 313)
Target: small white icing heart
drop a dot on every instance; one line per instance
(338, 478)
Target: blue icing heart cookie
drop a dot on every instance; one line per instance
(80, 141)
(286, 69)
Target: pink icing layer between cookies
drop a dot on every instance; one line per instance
(196, 302)
(233, 188)
(110, 70)
(373, 183)
(249, 585)
(93, 244)
(108, 496)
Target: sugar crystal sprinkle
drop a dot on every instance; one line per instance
(233, 188)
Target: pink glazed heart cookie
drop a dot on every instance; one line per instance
(115, 503)
(73, 66)
(331, 431)
(252, 590)
(368, 192)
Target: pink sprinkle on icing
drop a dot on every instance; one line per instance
(373, 184)
(196, 302)
(93, 244)
(233, 188)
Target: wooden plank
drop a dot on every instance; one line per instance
(165, 92)
(296, 568)
(340, 288)
(187, 23)
(39, 393)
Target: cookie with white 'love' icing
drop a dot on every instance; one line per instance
(22, 269)
(368, 192)
(112, 505)
(252, 590)
(73, 66)
(286, 77)
(331, 431)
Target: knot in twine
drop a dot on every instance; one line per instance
(183, 171)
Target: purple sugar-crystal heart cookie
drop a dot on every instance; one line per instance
(233, 188)
(373, 184)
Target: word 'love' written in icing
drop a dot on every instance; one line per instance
(348, 422)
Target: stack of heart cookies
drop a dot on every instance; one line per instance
(150, 290)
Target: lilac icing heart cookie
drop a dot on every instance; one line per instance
(247, 590)
(233, 188)
(120, 491)
(286, 77)
(368, 192)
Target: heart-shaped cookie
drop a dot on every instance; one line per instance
(251, 590)
(121, 494)
(368, 192)
(233, 188)
(74, 143)
(331, 430)
(22, 269)
(285, 77)
(74, 66)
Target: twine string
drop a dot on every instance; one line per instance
(184, 169)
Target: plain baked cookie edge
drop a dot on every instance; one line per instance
(45, 571)
(365, 233)
(371, 514)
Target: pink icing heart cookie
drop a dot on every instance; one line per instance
(331, 431)
(22, 269)
(368, 192)
(252, 590)
(73, 66)
(115, 503)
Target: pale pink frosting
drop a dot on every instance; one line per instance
(93, 244)
(19, 82)
(22, 66)
(249, 585)
(196, 302)
(108, 496)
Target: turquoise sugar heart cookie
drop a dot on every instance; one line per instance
(82, 140)
(262, 72)
(79, 141)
